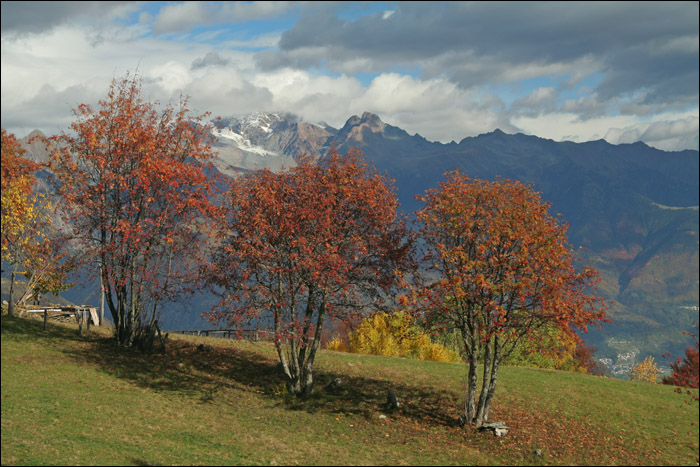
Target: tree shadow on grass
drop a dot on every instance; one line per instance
(200, 374)
(17, 328)
(183, 368)
(365, 396)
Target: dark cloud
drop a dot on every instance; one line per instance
(649, 46)
(183, 16)
(36, 17)
(673, 73)
(210, 59)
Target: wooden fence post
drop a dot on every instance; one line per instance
(46, 316)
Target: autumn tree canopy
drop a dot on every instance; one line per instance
(133, 180)
(498, 267)
(320, 240)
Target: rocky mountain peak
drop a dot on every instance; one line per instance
(357, 128)
(35, 134)
(36, 147)
(372, 119)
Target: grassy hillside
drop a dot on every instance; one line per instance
(68, 400)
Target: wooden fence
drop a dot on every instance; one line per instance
(239, 334)
(82, 314)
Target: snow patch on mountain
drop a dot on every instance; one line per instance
(241, 142)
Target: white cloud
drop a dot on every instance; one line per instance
(46, 74)
(393, 93)
(436, 108)
(669, 135)
(670, 132)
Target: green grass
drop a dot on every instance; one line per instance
(70, 400)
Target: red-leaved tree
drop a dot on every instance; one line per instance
(320, 240)
(686, 371)
(499, 267)
(133, 181)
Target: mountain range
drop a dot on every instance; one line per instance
(633, 208)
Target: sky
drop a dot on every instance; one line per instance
(567, 71)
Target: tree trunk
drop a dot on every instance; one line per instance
(308, 383)
(470, 403)
(102, 300)
(11, 303)
(488, 367)
(494, 378)
(298, 369)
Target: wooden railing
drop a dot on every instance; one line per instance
(82, 313)
(240, 334)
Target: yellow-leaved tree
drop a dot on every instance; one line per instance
(646, 371)
(396, 335)
(31, 245)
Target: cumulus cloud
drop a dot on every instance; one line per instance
(650, 46)
(436, 71)
(669, 135)
(667, 131)
(436, 108)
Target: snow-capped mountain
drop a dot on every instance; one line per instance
(266, 140)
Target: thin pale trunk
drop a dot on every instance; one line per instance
(308, 382)
(494, 378)
(278, 344)
(294, 360)
(133, 313)
(488, 367)
(470, 403)
(299, 366)
(308, 316)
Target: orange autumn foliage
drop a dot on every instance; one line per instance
(322, 240)
(500, 267)
(134, 183)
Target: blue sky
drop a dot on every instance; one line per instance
(578, 71)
